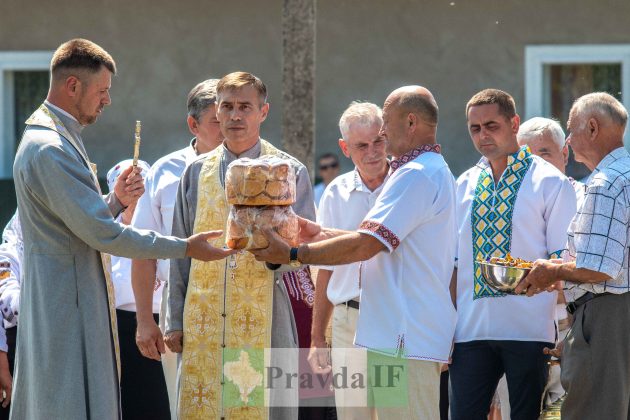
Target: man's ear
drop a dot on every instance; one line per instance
(412, 122)
(265, 111)
(73, 86)
(193, 125)
(344, 147)
(565, 154)
(592, 125)
(516, 123)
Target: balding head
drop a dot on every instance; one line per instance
(410, 117)
(417, 100)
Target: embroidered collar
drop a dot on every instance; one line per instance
(491, 215)
(618, 153)
(515, 158)
(412, 154)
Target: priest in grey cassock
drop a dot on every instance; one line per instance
(68, 364)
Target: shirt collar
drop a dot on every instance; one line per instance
(359, 185)
(252, 153)
(412, 154)
(517, 157)
(618, 153)
(56, 108)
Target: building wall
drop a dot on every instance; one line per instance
(365, 49)
(162, 49)
(454, 48)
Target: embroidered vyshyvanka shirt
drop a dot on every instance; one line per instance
(405, 302)
(525, 213)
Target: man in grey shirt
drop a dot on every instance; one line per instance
(241, 108)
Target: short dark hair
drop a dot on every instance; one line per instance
(504, 101)
(241, 79)
(328, 156)
(79, 55)
(201, 97)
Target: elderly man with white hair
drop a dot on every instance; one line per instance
(595, 362)
(344, 204)
(545, 138)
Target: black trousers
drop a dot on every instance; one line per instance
(477, 367)
(11, 337)
(142, 384)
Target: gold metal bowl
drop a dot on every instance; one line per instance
(502, 278)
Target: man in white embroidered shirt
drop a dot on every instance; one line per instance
(595, 361)
(510, 202)
(406, 313)
(344, 204)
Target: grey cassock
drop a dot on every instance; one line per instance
(66, 365)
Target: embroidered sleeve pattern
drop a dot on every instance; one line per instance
(382, 232)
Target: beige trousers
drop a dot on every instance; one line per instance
(352, 404)
(423, 394)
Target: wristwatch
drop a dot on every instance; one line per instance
(293, 258)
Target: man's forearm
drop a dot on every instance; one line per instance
(329, 233)
(114, 204)
(344, 249)
(323, 308)
(568, 271)
(142, 282)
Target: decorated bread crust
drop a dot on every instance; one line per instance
(266, 181)
(244, 224)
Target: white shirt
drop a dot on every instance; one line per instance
(155, 208)
(123, 291)
(344, 204)
(541, 212)
(599, 234)
(406, 307)
(318, 192)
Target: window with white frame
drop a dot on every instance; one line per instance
(24, 83)
(556, 75)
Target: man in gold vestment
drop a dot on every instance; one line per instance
(220, 315)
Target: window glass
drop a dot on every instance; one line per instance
(567, 82)
(29, 91)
